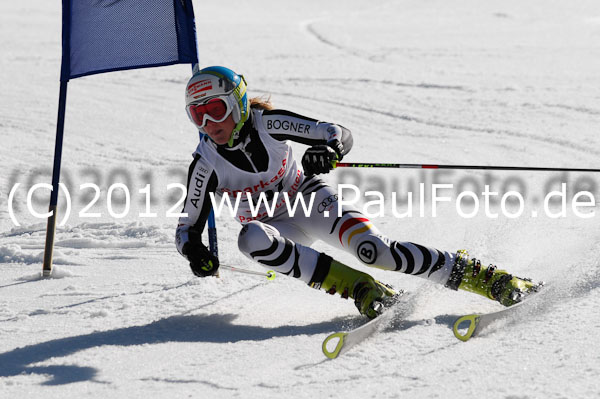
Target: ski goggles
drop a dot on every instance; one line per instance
(216, 109)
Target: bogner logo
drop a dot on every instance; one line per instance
(287, 125)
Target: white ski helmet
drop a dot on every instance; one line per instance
(211, 84)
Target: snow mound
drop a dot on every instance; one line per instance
(114, 235)
(13, 253)
(57, 273)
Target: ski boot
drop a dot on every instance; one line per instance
(499, 285)
(370, 296)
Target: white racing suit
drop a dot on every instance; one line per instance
(262, 161)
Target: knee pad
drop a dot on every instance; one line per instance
(256, 236)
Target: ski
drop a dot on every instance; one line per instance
(349, 339)
(477, 322)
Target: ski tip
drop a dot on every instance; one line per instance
(338, 347)
(472, 320)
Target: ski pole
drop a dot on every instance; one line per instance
(213, 243)
(479, 167)
(270, 275)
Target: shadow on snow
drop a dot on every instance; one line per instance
(195, 328)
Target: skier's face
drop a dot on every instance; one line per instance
(220, 132)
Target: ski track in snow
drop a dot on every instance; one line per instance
(309, 26)
(535, 139)
(582, 110)
(122, 316)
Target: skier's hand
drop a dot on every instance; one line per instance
(202, 262)
(320, 158)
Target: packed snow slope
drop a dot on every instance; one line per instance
(448, 82)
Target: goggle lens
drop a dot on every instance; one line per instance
(215, 110)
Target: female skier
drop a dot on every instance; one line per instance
(245, 152)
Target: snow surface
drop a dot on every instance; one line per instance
(462, 82)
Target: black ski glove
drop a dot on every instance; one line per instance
(202, 262)
(319, 158)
